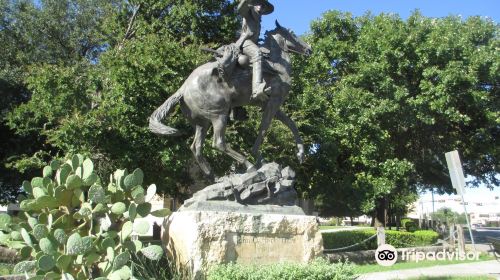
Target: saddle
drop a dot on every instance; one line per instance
(229, 56)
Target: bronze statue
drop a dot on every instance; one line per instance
(251, 12)
(213, 89)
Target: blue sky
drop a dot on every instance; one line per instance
(297, 14)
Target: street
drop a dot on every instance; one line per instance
(481, 234)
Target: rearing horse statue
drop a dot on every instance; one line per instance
(207, 100)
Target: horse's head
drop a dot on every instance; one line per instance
(290, 42)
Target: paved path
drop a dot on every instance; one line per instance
(491, 268)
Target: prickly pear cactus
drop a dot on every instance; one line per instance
(76, 227)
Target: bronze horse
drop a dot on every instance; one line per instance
(207, 101)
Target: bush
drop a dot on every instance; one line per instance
(409, 225)
(332, 222)
(339, 239)
(319, 269)
(425, 237)
(398, 239)
(77, 227)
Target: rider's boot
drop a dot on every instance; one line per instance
(259, 90)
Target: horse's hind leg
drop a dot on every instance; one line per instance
(197, 149)
(219, 142)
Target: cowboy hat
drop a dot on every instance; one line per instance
(267, 7)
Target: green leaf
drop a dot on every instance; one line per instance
(132, 211)
(47, 171)
(121, 260)
(52, 276)
(46, 201)
(63, 195)
(75, 162)
(60, 236)
(5, 220)
(16, 236)
(26, 237)
(76, 245)
(37, 182)
(92, 258)
(153, 252)
(90, 180)
(55, 164)
(100, 208)
(25, 252)
(38, 192)
(151, 192)
(24, 267)
(47, 246)
(118, 208)
(46, 263)
(141, 226)
(143, 210)
(107, 242)
(139, 176)
(161, 213)
(127, 229)
(73, 182)
(137, 194)
(88, 168)
(97, 194)
(27, 187)
(64, 262)
(130, 181)
(63, 173)
(40, 231)
(32, 222)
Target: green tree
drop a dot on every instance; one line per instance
(447, 215)
(383, 99)
(100, 105)
(34, 34)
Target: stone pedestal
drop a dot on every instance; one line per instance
(195, 240)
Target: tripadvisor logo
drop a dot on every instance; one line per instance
(386, 255)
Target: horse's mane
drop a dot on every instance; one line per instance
(268, 35)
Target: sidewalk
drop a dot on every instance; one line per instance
(490, 268)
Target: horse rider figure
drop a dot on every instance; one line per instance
(252, 12)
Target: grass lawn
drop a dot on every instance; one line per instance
(5, 269)
(368, 268)
(454, 278)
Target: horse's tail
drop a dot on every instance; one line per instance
(163, 111)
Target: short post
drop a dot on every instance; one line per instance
(452, 235)
(380, 236)
(461, 239)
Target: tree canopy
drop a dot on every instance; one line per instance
(383, 99)
(90, 75)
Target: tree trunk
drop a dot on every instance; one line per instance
(380, 212)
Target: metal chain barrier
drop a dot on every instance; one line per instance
(350, 246)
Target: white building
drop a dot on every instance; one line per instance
(483, 205)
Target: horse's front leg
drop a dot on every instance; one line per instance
(270, 110)
(286, 120)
